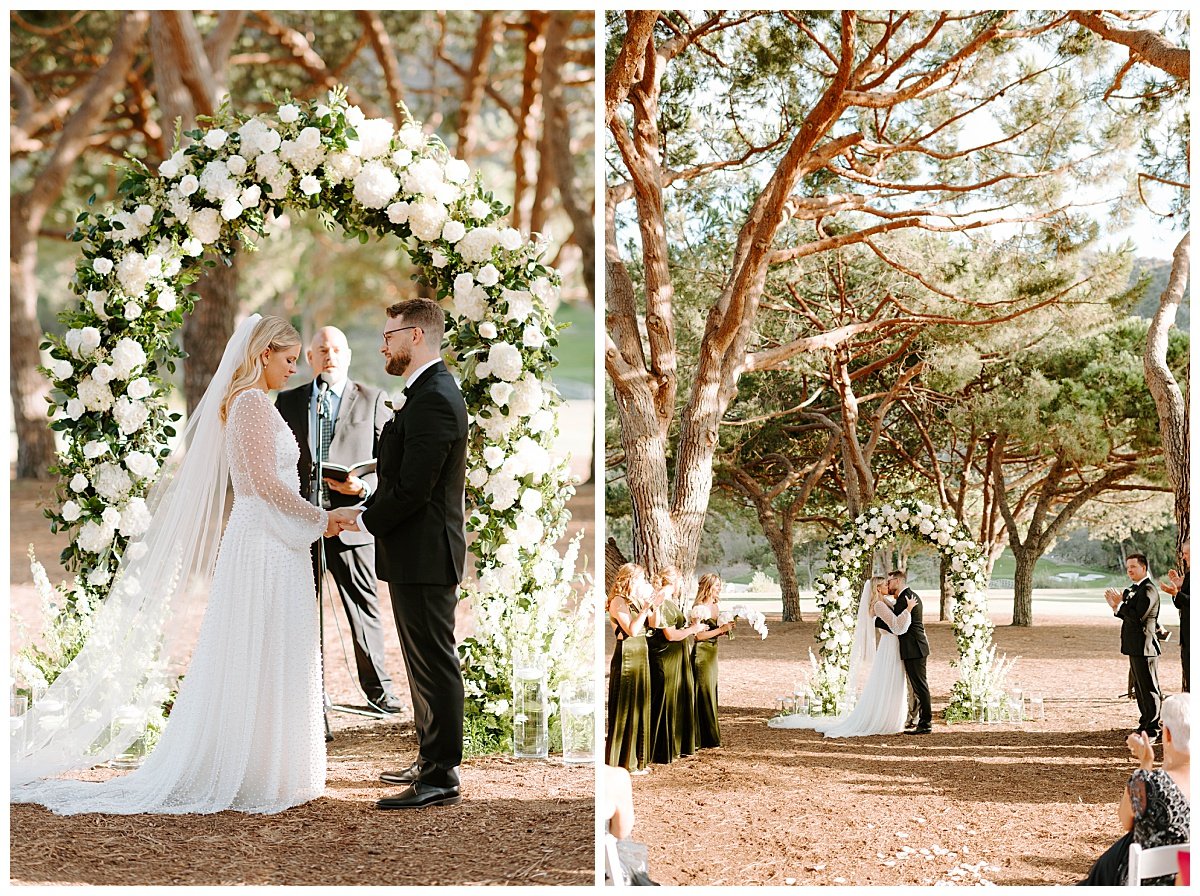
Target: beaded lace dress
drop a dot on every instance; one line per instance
(246, 730)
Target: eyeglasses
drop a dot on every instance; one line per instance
(387, 333)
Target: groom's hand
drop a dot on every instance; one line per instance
(346, 519)
(333, 528)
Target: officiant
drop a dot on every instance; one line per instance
(356, 414)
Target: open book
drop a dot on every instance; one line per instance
(338, 473)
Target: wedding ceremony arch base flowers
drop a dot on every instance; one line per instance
(838, 591)
(234, 184)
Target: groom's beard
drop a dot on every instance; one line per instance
(398, 363)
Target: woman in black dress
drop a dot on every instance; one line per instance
(704, 660)
(630, 603)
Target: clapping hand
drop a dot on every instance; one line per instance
(1141, 749)
(1173, 584)
(1112, 596)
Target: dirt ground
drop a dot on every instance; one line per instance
(520, 822)
(1029, 804)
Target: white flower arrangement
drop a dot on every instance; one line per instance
(753, 618)
(848, 563)
(234, 183)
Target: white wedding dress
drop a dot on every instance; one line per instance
(246, 730)
(882, 705)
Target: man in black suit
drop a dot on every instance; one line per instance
(1179, 587)
(356, 417)
(417, 516)
(1137, 607)
(914, 648)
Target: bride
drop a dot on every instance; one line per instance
(246, 730)
(883, 703)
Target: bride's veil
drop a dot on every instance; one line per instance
(146, 627)
(862, 651)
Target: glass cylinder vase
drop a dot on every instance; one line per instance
(577, 716)
(531, 733)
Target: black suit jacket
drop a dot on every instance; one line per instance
(913, 643)
(360, 421)
(1183, 601)
(1138, 610)
(418, 512)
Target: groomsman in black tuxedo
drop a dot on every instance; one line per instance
(914, 648)
(356, 415)
(1137, 607)
(417, 516)
(1179, 587)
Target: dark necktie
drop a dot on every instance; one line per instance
(326, 412)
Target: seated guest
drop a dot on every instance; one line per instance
(1155, 808)
(704, 661)
(630, 603)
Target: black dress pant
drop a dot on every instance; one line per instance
(914, 668)
(353, 571)
(1149, 696)
(425, 621)
(1184, 653)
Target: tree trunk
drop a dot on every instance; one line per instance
(524, 161)
(208, 327)
(1168, 399)
(779, 537)
(28, 388)
(1027, 558)
(945, 595)
(475, 81)
(614, 559)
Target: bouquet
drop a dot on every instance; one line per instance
(700, 613)
(754, 619)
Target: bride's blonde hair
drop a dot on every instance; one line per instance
(273, 333)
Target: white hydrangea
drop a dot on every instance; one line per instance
(541, 421)
(375, 185)
(493, 456)
(99, 577)
(426, 218)
(527, 396)
(135, 518)
(216, 182)
(531, 500)
(504, 361)
(95, 537)
(305, 152)
(457, 171)
(411, 137)
(478, 477)
(519, 302)
(95, 396)
(130, 415)
(205, 225)
(112, 482)
(166, 299)
(503, 490)
(545, 290)
(141, 464)
(134, 273)
(127, 356)
(374, 137)
(340, 166)
(476, 247)
(397, 212)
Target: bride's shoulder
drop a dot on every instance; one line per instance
(251, 404)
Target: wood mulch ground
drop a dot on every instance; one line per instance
(520, 822)
(1028, 804)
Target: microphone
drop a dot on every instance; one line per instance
(324, 379)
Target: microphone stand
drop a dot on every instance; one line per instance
(318, 471)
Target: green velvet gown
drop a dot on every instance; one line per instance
(628, 743)
(708, 730)
(672, 690)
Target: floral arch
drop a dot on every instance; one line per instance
(848, 564)
(232, 185)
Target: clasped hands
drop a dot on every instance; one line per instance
(342, 520)
(1112, 597)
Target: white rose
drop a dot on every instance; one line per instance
(166, 299)
(103, 373)
(505, 362)
(79, 483)
(355, 116)
(411, 137)
(98, 577)
(438, 258)
(236, 165)
(493, 456)
(94, 448)
(102, 266)
(541, 421)
(192, 247)
(75, 408)
(289, 112)
(488, 330)
(139, 389)
(309, 185)
(532, 337)
(511, 239)
(397, 212)
(111, 517)
(96, 298)
(531, 500)
(453, 231)
(168, 169)
(132, 310)
(500, 393)
(478, 477)
(71, 511)
(231, 208)
(141, 464)
(488, 275)
(457, 171)
(62, 369)
(215, 138)
(480, 209)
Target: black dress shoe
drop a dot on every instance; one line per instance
(392, 707)
(407, 776)
(924, 729)
(418, 795)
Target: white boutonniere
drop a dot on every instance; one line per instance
(395, 406)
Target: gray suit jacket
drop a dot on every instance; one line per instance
(360, 420)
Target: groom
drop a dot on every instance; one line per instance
(416, 515)
(914, 649)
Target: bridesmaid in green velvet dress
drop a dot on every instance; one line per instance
(708, 594)
(630, 603)
(672, 688)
